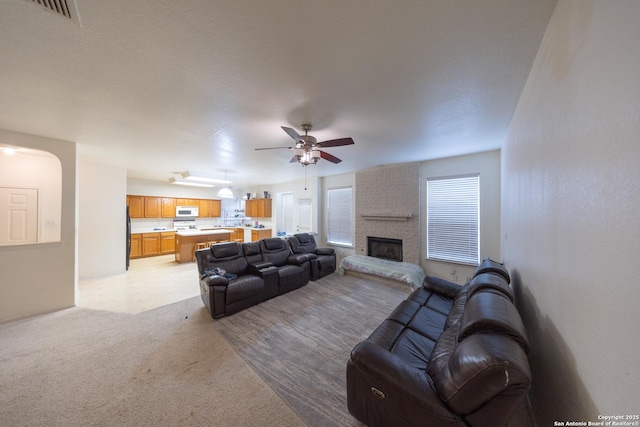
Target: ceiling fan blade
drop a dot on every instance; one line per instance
(329, 157)
(336, 142)
(271, 148)
(293, 159)
(293, 134)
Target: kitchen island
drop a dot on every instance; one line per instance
(186, 241)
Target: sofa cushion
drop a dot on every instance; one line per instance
(225, 250)
(482, 369)
(273, 243)
(490, 282)
(488, 312)
(489, 266)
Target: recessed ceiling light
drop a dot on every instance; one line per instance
(203, 178)
(191, 183)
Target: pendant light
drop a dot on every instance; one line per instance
(225, 192)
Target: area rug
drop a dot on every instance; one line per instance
(299, 342)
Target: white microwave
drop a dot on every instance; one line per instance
(182, 211)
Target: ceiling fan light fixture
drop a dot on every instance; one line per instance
(225, 192)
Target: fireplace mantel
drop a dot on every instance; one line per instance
(371, 216)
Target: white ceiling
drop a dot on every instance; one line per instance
(161, 86)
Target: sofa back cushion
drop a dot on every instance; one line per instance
(490, 266)
(275, 251)
(251, 251)
(491, 283)
(489, 312)
(483, 368)
(302, 243)
(482, 359)
(226, 256)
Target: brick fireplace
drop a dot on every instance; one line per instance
(388, 207)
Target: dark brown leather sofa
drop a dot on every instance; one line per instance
(323, 260)
(236, 276)
(446, 356)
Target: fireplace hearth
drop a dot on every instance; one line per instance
(384, 248)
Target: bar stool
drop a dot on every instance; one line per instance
(203, 245)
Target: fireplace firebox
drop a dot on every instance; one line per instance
(384, 248)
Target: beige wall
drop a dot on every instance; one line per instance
(101, 219)
(570, 203)
(487, 164)
(41, 277)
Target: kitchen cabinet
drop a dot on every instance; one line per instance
(150, 244)
(209, 208)
(136, 246)
(168, 207)
(216, 208)
(152, 207)
(259, 234)
(165, 207)
(136, 206)
(238, 234)
(167, 242)
(259, 208)
(187, 202)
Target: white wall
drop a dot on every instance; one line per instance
(487, 164)
(101, 219)
(41, 277)
(570, 204)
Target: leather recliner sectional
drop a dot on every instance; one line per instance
(323, 260)
(446, 356)
(236, 276)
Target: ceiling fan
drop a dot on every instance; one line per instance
(307, 150)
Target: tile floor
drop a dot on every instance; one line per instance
(149, 283)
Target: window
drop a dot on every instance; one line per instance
(339, 216)
(453, 219)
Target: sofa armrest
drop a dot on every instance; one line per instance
(256, 267)
(325, 251)
(215, 280)
(441, 286)
(299, 259)
(401, 383)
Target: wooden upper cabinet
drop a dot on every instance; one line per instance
(168, 207)
(216, 208)
(204, 207)
(152, 207)
(136, 206)
(187, 202)
(260, 208)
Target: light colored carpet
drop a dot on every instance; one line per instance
(163, 367)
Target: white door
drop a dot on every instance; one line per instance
(287, 224)
(304, 216)
(18, 216)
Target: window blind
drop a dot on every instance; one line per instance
(453, 219)
(339, 217)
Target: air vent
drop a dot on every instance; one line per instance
(64, 8)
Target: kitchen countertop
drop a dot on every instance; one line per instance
(196, 232)
(162, 230)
